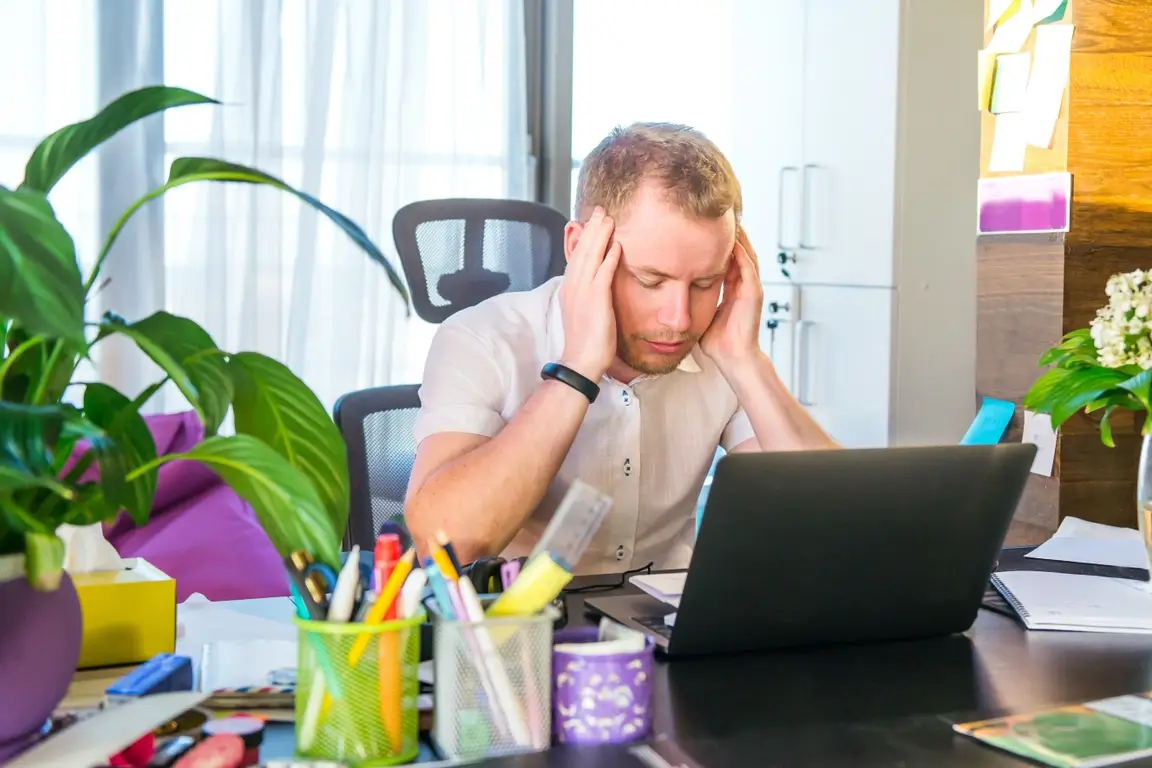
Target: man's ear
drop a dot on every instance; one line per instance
(572, 232)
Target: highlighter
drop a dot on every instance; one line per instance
(536, 586)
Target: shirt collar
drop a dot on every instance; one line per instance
(555, 340)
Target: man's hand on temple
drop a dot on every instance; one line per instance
(734, 334)
(586, 299)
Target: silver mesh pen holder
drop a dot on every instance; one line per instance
(493, 685)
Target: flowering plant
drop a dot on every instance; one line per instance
(1107, 365)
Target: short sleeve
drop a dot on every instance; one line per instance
(463, 389)
(738, 430)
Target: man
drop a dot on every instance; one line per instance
(627, 372)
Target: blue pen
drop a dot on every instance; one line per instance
(439, 590)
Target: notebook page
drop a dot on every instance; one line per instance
(1073, 601)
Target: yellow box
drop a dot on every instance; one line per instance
(129, 615)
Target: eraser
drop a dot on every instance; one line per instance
(163, 673)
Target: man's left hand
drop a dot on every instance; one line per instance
(734, 334)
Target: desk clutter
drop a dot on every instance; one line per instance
(1087, 578)
(503, 681)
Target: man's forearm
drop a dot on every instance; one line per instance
(779, 421)
(484, 497)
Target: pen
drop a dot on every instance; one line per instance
(344, 593)
(387, 595)
(440, 591)
(505, 698)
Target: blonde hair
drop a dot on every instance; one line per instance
(691, 170)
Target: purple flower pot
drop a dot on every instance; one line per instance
(40, 636)
(600, 699)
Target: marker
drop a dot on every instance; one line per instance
(344, 593)
(508, 573)
(384, 559)
(537, 586)
(383, 603)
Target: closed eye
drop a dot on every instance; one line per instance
(704, 285)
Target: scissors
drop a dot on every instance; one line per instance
(321, 580)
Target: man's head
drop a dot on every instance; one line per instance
(676, 203)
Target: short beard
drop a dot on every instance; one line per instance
(631, 351)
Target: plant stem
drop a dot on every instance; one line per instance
(148, 466)
(116, 233)
(16, 353)
(46, 374)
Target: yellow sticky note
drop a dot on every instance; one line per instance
(986, 69)
(1013, 31)
(998, 9)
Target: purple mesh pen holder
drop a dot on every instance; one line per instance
(600, 699)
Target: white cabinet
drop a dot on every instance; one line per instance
(767, 139)
(842, 363)
(778, 329)
(851, 78)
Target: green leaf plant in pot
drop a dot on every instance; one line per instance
(1105, 367)
(286, 458)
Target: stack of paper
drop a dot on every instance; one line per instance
(1079, 541)
(665, 587)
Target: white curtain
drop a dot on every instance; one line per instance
(366, 104)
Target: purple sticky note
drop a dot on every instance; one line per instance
(600, 699)
(1037, 203)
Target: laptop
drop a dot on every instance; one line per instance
(846, 546)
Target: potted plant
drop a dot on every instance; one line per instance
(1106, 366)
(286, 458)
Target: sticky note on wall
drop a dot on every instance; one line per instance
(990, 422)
(1038, 431)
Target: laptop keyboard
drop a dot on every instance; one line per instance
(654, 624)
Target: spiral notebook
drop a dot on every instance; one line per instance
(1077, 603)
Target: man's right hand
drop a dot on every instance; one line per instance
(586, 299)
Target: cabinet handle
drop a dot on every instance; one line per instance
(780, 244)
(805, 216)
(802, 336)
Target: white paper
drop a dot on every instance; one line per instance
(1046, 85)
(1013, 32)
(1010, 86)
(1074, 526)
(1009, 143)
(1038, 431)
(237, 664)
(86, 550)
(1079, 603)
(1071, 549)
(665, 587)
(91, 741)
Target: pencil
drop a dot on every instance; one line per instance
(440, 557)
(380, 608)
(442, 540)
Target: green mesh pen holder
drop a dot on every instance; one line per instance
(362, 715)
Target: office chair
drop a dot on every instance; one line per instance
(458, 252)
(377, 428)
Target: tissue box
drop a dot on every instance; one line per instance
(129, 614)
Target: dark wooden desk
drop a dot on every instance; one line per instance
(884, 705)
(888, 705)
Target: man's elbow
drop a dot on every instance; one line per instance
(424, 525)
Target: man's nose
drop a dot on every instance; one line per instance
(675, 312)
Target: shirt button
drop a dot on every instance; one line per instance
(627, 467)
(620, 552)
(625, 397)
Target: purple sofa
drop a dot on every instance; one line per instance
(201, 533)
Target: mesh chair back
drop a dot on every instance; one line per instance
(457, 253)
(377, 427)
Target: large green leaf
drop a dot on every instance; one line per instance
(189, 356)
(40, 284)
(1076, 391)
(186, 170)
(60, 151)
(27, 436)
(286, 504)
(272, 404)
(124, 444)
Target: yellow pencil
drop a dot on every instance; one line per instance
(440, 557)
(378, 610)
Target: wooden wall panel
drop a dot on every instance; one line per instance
(1111, 26)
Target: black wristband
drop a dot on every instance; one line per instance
(566, 375)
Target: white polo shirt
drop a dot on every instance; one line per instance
(648, 443)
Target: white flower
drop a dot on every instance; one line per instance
(1122, 330)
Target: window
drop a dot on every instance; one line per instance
(650, 60)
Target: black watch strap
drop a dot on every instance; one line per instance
(578, 382)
